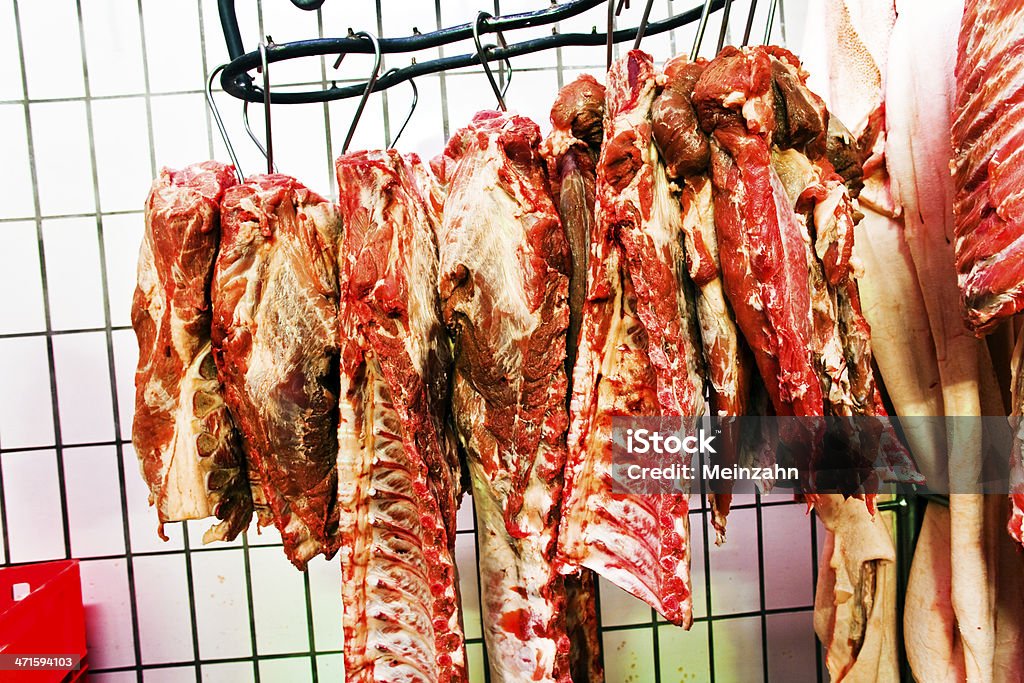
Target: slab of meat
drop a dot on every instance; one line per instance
(398, 467)
(504, 288)
(275, 307)
(571, 151)
(987, 134)
(686, 151)
(640, 543)
(188, 450)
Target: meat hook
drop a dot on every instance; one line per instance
(643, 25)
(611, 38)
(750, 22)
(264, 62)
(267, 154)
(701, 27)
(481, 51)
(412, 107)
(220, 122)
(725, 26)
(370, 83)
(771, 20)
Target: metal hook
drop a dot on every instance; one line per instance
(725, 25)
(481, 51)
(701, 27)
(750, 22)
(220, 122)
(610, 35)
(643, 25)
(370, 83)
(412, 107)
(252, 135)
(264, 63)
(771, 20)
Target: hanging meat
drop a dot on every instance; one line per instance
(571, 151)
(986, 134)
(687, 154)
(275, 307)
(399, 474)
(187, 446)
(638, 355)
(504, 289)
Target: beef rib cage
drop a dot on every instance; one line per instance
(398, 468)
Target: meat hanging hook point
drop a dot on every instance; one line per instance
(220, 122)
(481, 51)
(370, 83)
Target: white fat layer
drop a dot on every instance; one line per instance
(494, 251)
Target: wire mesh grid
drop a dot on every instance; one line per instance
(68, 480)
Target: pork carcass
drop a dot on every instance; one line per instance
(686, 151)
(987, 144)
(504, 263)
(275, 306)
(187, 446)
(572, 151)
(636, 282)
(398, 468)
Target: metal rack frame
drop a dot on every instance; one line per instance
(120, 440)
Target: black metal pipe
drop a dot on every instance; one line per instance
(229, 24)
(239, 67)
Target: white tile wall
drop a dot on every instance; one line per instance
(97, 132)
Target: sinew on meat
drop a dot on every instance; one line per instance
(504, 288)
(188, 450)
(275, 303)
(398, 469)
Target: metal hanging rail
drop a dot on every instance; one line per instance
(237, 77)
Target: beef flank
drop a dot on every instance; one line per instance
(398, 467)
(187, 447)
(504, 288)
(275, 306)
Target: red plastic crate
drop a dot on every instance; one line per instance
(48, 620)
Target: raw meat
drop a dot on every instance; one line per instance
(987, 137)
(187, 446)
(790, 278)
(504, 288)
(275, 307)
(640, 543)
(686, 151)
(765, 262)
(398, 467)
(571, 151)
